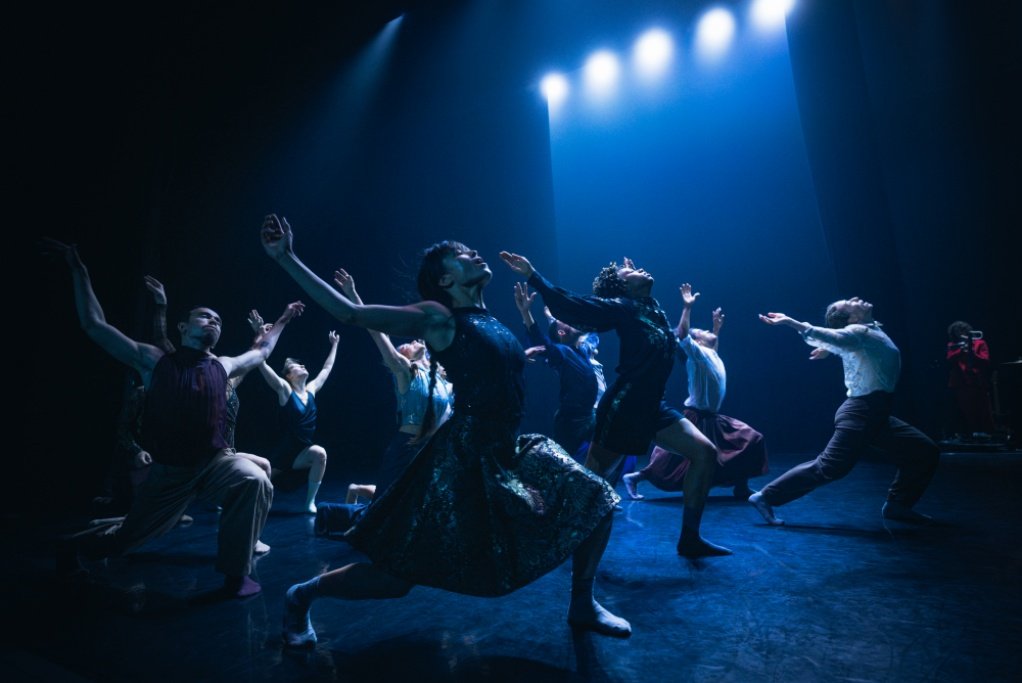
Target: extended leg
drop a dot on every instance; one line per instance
(359, 581)
(584, 612)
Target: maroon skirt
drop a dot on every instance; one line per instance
(742, 453)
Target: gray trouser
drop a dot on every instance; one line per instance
(238, 485)
(862, 422)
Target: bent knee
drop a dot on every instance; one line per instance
(704, 453)
(318, 453)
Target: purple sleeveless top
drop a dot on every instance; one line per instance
(185, 409)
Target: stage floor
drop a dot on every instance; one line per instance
(836, 595)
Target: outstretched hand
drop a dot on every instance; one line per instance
(155, 287)
(776, 319)
(333, 337)
(518, 263)
(718, 320)
(532, 352)
(345, 282)
(687, 297)
(255, 321)
(293, 310)
(276, 236)
(819, 354)
(523, 299)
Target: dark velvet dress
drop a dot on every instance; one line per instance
(482, 510)
(632, 410)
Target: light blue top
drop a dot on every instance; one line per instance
(412, 404)
(871, 360)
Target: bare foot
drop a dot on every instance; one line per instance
(903, 513)
(298, 631)
(700, 547)
(764, 508)
(631, 480)
(241, 587)
(596, 618)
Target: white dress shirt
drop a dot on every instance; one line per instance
(871, 360)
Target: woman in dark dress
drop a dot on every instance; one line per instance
(632, 412)
(481, 510)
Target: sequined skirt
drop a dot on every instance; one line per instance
(482, 512)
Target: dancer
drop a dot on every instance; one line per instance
(295, 450)
(872, 364)
(632, 412)
(411, 367)
(479, 510)
(576, 413)
(183, 430)
(741, 451)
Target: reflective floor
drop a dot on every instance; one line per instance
(836, 595)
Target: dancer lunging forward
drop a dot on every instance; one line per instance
(742, 453)
(480, 510)
(632, 412)
(872, 364)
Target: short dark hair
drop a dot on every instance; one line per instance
(432, 269)
(609, 284)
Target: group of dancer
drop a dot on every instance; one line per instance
(466, 502)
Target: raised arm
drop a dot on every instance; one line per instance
(400, 366)
(523, 302)
(259, 327)
(160, 337)
(428, 320)
(718, 320)
(142, 357)
(578, 311)
(316, 384)
(538, 338)
(687, 299)
(263, 344)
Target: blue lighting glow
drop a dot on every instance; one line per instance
(601, 72)
(652, 53)
(714, 32)
(555, 88)
(768, 15)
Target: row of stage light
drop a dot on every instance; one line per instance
(653, 52)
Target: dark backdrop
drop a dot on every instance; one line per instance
(884, 165)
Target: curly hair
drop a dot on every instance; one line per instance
(835, 318)
(608, 284)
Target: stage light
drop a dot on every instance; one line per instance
(601, 71)
(653, 52)
(554, 88)
(770, 14)
(714, 32)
